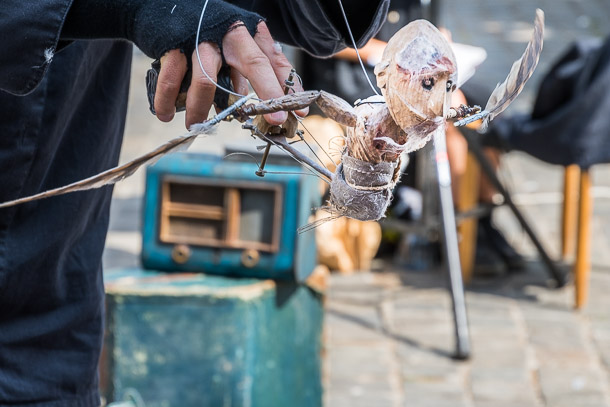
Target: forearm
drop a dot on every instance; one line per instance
(371, 53)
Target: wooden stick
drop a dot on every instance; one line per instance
(582, 266)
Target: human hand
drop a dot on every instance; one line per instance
(255, 59)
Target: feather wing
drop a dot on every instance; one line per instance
(521, 71)
(110, 176)
(119, 173)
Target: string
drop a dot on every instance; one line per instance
(205, 5)
(305, 165)
(300, 120)
(349, 30)
(319, 222)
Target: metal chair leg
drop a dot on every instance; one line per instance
(558, 275)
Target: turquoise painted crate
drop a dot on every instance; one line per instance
(206, 214)
(202, 340)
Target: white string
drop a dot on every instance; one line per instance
(205, 5)
(300, 120)
(349, 30)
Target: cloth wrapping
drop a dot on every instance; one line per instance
(362, 190)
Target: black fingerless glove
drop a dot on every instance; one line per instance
(155, 26)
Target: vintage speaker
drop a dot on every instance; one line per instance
(198, 340)
(206, 214)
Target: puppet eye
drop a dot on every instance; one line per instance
(427, 83)
(450, 86)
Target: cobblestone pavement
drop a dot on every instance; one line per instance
(389, 333)
(389, 342)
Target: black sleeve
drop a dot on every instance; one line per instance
(30, 32)
(318, 26)
(155, 26)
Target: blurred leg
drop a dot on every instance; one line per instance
(486, 189)
(457, 150)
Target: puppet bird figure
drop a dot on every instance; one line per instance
(417, 76)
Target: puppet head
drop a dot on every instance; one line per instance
(416, 76)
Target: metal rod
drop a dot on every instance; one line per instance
(261, 169)
(289, 84)
(481, 115)
(452, 254)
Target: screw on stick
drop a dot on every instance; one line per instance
(261, 169)
(289, 83)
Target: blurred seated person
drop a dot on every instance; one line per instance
(494, 255)
(347, 245)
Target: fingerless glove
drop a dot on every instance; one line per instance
(155, 26)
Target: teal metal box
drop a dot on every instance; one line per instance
(206, 214)
(195, 340)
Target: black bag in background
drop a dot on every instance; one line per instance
(570, 120)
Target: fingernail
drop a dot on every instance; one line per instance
(165, 117)
(279, 117)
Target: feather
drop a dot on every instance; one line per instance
(110, 176)
(119, 173)
(521, 71)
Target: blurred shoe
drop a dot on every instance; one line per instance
(487, 261)
(496, 240)
(407, 204)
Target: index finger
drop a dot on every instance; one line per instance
(173, 69)
(280, 64)
(243, 53)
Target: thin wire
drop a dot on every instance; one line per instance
(319, 222)
(205, 5)
(243, 153)
(349, 30)
(312, 150)
(303, 163)
(300, 120)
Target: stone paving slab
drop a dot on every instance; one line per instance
(524, 354)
